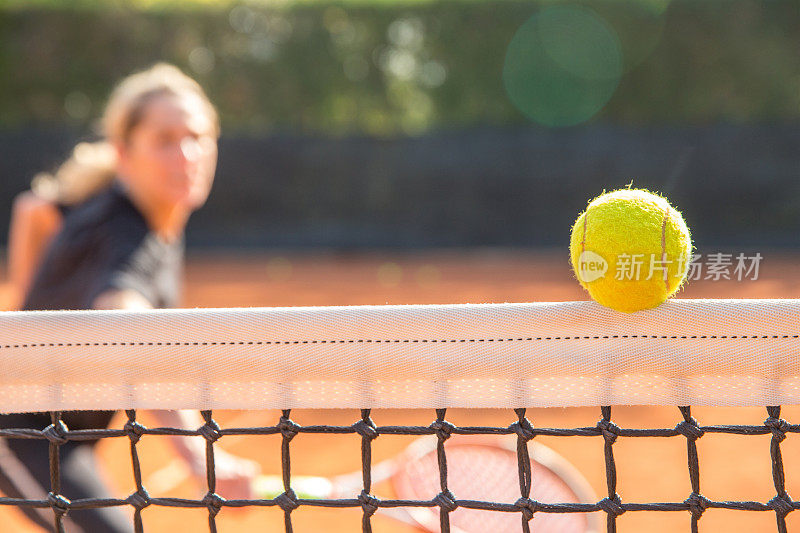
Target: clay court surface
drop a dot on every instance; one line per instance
(649, 469)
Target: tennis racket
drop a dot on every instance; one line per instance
(478, 469)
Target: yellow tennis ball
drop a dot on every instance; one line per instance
(630, 249)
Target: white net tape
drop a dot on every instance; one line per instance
(686, 352)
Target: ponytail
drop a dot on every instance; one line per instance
(89, 170)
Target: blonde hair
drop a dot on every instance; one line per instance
(125, 108)
(89, 170)
(92, 166)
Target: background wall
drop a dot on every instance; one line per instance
(737, 185)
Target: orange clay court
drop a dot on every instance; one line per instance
(649, 469)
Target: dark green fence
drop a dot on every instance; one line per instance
(737, 185)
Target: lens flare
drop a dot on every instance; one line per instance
(562, 66)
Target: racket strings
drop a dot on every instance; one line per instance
(486, 473)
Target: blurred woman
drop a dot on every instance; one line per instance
(115, 241)
(37, 214)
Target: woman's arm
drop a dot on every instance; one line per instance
(34, 223)
(234, 475)
(121, 299)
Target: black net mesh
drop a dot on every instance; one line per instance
(612, 505)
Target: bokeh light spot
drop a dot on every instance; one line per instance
(202, 60)
(433, 74)
(406, 33)
(242, 19)
(428, 276)
(263, 49)
(77, 105)
(390, 274)
(562, 66)
(279, 269)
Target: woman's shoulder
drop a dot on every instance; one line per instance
(108, 213)
(30, 206)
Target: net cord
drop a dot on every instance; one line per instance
(685, 352)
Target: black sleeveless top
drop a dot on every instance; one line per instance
(104, 244)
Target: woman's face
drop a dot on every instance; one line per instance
(170, 156)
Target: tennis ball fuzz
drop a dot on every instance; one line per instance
(630, 249)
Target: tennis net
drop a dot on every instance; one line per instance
(503, 356)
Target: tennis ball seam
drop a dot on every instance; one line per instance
(664, 249)
(583, 240)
